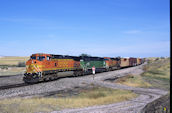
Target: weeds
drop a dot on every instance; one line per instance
(91, 97)
(157, 73)
(133, 80)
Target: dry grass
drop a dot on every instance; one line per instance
(158, 73)
(12, 71)
(134, 81)
(12, 60)
(8, 65)
(96, 96)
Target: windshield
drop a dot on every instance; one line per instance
(40, 58)
(33, 57)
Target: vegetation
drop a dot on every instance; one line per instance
(157, 73)
(84, 54)
(21, 64)
(95, 96)
(12, 61)
(134, 81)
(12, 71)
(12, 65)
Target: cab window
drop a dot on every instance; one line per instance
(48, 58)
(33, 57)
(40, 58)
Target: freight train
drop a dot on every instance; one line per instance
(45, 67)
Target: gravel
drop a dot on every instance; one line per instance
(11, 80)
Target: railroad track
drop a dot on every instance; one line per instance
(13, 86)
(22, 84)
(25, 84)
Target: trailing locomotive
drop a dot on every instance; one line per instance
(44, 67)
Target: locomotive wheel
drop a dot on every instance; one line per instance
(78, 73)
(45, 79)
(118, 67)
(107, 69)
(82, 73)
(50, 79)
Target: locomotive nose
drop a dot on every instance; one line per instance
(33, 61)
(32, 66)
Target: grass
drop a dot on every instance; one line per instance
(134, 81)
(8, 65)
(95, 96)
(12, 71)
(12, 60)
(156, 75)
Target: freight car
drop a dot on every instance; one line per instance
(44, 67)
(132, 61)
(138, 61)
(124, 62)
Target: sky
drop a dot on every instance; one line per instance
(105, 28)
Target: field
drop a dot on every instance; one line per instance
(157, 73)
(12, 65)
(134, 81)
(85, 98)
(12, 61)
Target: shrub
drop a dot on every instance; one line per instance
(4, 67)
(21, 64)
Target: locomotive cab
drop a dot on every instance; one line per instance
(34, 66)
(36, 61)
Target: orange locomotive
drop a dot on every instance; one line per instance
(112, 63)
(39, 66)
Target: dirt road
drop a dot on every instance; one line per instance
(134, 106)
